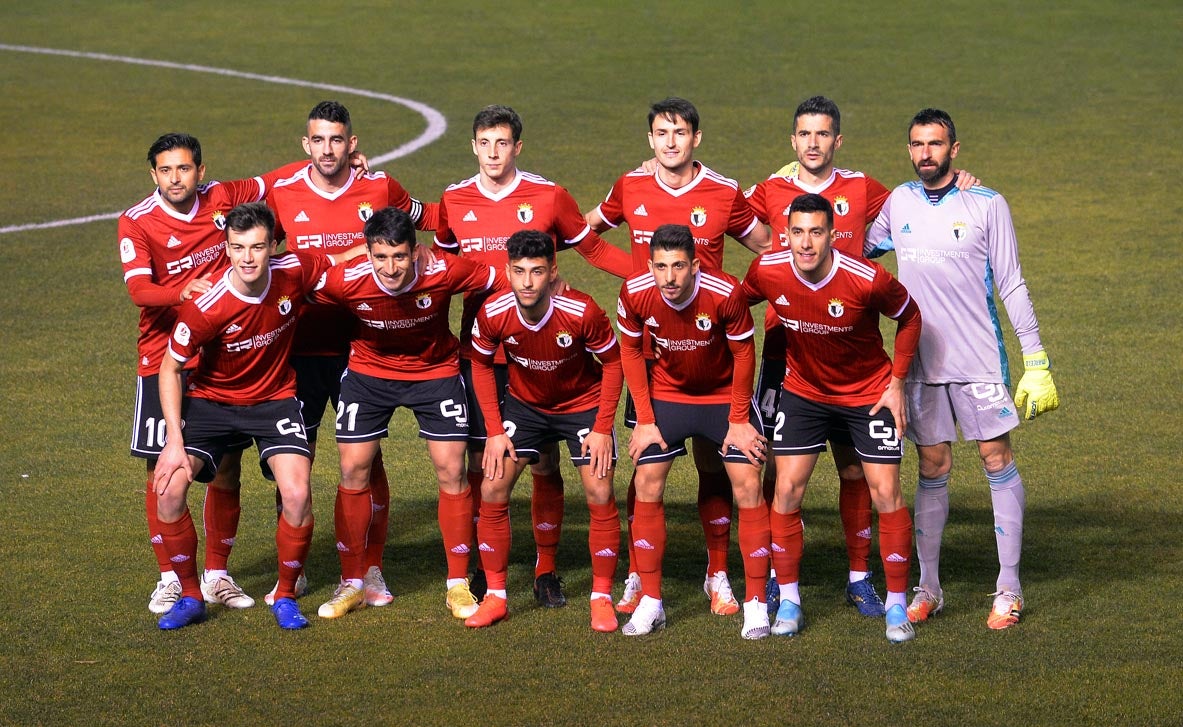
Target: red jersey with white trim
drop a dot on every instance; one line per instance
(835, 352)
(477, 224)
(245, 342)
(694, 360)
(404, 334)
(553, 364)
(316, 222)
(711, 205)
(162, 251)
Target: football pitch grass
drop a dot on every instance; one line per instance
(1069, 110)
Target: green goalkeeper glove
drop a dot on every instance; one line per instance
(789, 170)
(1036, 392)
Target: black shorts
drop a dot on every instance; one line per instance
(212, 429)
(803, 426)
(768, 389)
(477, 433)
(679, 421)
(147, 423)
(318, 381)
(368, 402)
(530, 430)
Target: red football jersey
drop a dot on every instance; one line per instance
(694, 357)
(245, 342)
(404, 334)
(553, 364)
(477, 223)
(313, 221)
(835, 352)
(162, 251)
(711, 206)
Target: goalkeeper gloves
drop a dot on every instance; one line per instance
(789, 170)
(1036, 392)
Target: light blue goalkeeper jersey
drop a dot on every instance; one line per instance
(951, 256)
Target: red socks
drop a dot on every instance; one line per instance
(546, 513)
(754, 541)
(154, 537)
(380, 516)
(788, 544)
(352, 520)
(603, 542)
(494, 538)
(854, 505)
(649, 536)
(220, 516)
(714, 510)
(895, 548)
(455, 518)
(180, 541)
(291, 543)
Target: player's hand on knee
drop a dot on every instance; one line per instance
(598, 447)
(497, 448)
(644, 435)
(744, 437)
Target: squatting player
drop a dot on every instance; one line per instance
(679, 190)
(952, 247)
(242, 387)
(403, 355)
(320, 210)
(564, 383)
(838, 378)
(477, 217)
(171, 245)
(701, 384)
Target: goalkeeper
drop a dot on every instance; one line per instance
(952, 247)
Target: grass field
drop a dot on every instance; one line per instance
(1070, 110)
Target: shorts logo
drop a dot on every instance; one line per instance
(182, 334)
(698, 216)
(879, 430)
(219, 220)
(564, 339)
(525, 212)
(365, 211)
(960, 230)
(423, 301)
(452, 410)
(841, 205)
(702, 322)
(1004, 413)
(992, 393)
(285, 305)
(127, 250)
(287, 427)
(836, 308)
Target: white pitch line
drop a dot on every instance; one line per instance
(436, 123)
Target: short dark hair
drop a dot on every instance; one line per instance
(925, 117)
(390, 226)
(675, 108)
(674, 238)
(332, 111)
(813, 203)
(496, 115)
(249, 216)
(174, 140)
(530, 244)
(821, 106)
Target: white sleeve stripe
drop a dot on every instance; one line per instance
(605, 219)
(136, 271)
(900, 312)
(481, 349)
(607, 347)
(747, 334)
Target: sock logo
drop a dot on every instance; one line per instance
(461, 549)
(179, 558)
(605, 553)
(762, 552)
(721, 521)
(777, 549)
(156, 539)
(896, 558)
(643, 544)
(293, 564)
(546, 526)
(342, 547)
(485, 548)
(865, 534)
(228, 541)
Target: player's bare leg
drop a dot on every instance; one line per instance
(603, 542)
(895, 544)
(854, 508)
(754, 543)
(546, 515)
(293, 533)
(714, 512)
(649, 538)
(455, 520)
(788, 544)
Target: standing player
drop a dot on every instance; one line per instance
(679, 190)
(952, 247)
(477, 217)
(838, 378)
(321, 210)
(701, 385)
(564, 383)
(403, 355)
(171, 246)
(242, 387)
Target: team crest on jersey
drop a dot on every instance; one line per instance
(127, 250)
(219, 220)
(181, 335)
(365, 211)
(564, 339)
(698, 216)
(702, 321)
(960, 230)
(525, 212)
(423, 301)
(285, 305)
(841, 205)
(836, 308)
